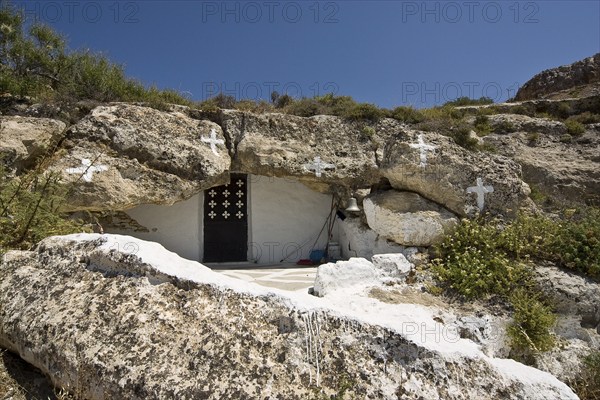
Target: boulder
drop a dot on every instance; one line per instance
(123, 155)
(407, 218)
(573, 296)
(357, 240)
(448, 174)
(24, 139)
(285, 145)
(347, 276)
(392, 265)
(115, 317)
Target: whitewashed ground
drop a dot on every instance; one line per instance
(291, 277)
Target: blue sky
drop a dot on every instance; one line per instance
(419, 53)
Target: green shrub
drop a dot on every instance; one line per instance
(462, 137)
(491, 110)
(30, 211)
(572, 243)
(363, 111)
(304, 108)
(482, 125)
(407, 115)
(537, 195)
(587, 386)
(472, 262)
(466, 101)
(566, 138)
(530, 330)
(563, 111)
(533, 137)
(258, 107)
(523, 109)
(504, 127)
(574, 128)
(575, 243)
(336, 105)
(283, 101)
(586, 118)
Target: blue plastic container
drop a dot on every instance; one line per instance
(316, 256)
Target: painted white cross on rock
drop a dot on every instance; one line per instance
(318, 166)
(481, 191)
(213, 141)
(87, 169)
(423, 148)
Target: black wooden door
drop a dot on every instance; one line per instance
(226, 221)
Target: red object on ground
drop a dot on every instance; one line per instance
(304, 262)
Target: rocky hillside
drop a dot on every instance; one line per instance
(580, 79)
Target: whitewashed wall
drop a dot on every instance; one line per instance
(176, 227)
(285, 218)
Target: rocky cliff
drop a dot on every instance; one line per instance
(580, 79)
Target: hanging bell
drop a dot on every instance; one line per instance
(352, 205)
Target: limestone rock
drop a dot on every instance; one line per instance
(115, 317)
(284, 145)
(346, 275)
(24, 139)
(450, 170)
(524, 123)
(392, 265)
(358, 240)
(573, 295)
(407, 218)
(565, 360)
(584, 72)
(147, 156)
(568, 171)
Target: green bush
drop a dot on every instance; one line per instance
(575, 243)
(462, 137)
(504, 127)
(587, 386)
(363, 111)
(407, 115)
(486, 257)
(533, 137)
(572, 243)
(586, 118)
(472, 262)
(574, 128)
(563, 111)
(30, 211)
(482, 125)
(466, 101)
(566, 138)
(304, 107)
(530, 329)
